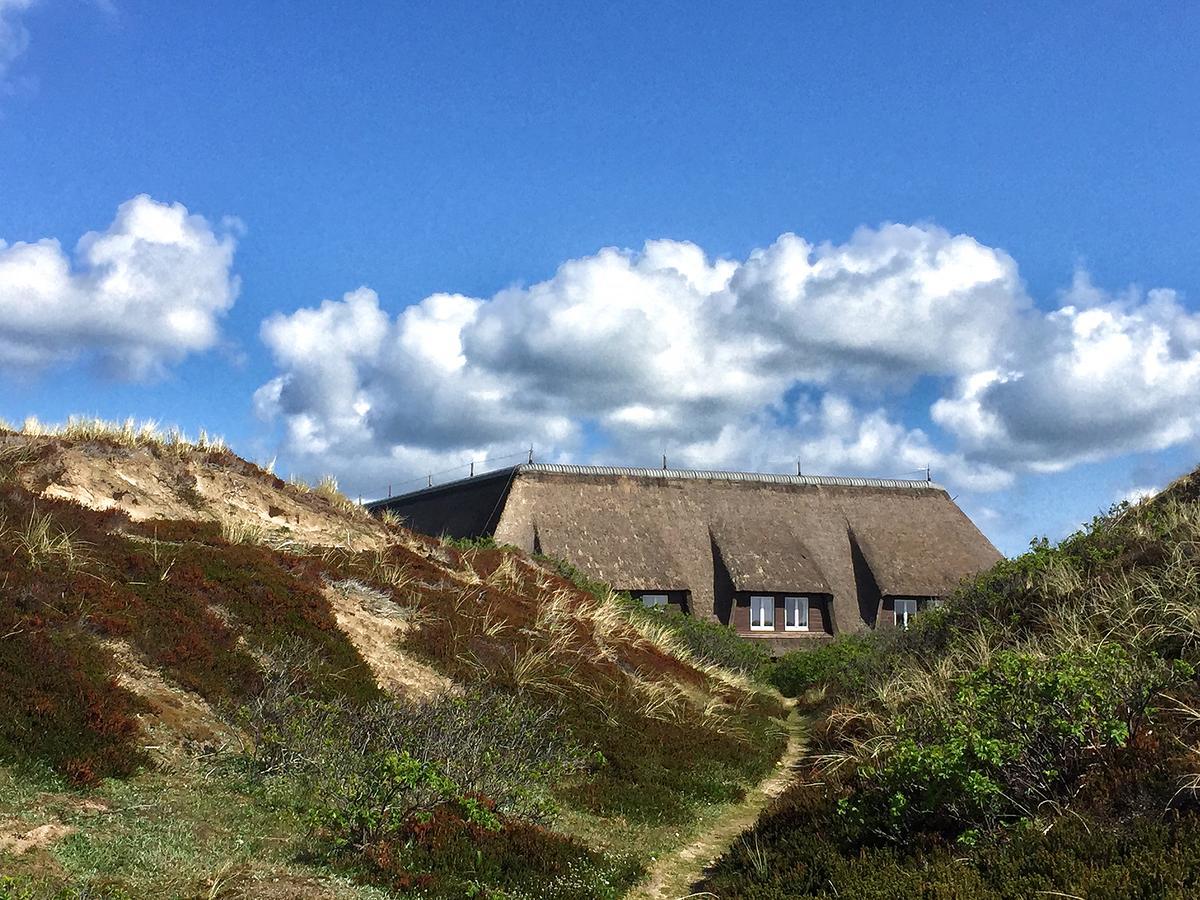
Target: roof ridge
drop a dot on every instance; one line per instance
(679, 474)
(723, 475)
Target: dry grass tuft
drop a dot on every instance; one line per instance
(130, 434)
(391, 519)
(43, 542)
(242, 532)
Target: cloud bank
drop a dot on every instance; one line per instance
(799, 351)
(137, 297)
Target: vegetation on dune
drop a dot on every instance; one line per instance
(701, 640)
(569, 701)
(199, 609)
(449, 796)
(670, 732)
(842, 667)
(130, 434)
(1038, 734)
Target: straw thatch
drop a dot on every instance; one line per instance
(717, 534)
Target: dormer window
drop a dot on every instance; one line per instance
(795, 614)
(762, 613)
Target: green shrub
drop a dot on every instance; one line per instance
(443, 796)
(844, 665)
(382, 794)
(483, 744)
(445, 856)
(482, 542)
(1014, 735)
(796, 853)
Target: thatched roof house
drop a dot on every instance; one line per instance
(780, 557)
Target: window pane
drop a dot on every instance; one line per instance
(795, 613)
(653, 601)
(762, 612)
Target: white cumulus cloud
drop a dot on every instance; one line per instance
(799, 351)
(136, 297)
(658, 350)
(1101, 375)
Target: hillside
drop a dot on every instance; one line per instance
(216, 683)
(1037, 736)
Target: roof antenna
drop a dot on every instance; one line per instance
(664, 460)
(531, 453)
(798, 472)
(389, 490)
(928, 477)
(472, 469)
(429, 482)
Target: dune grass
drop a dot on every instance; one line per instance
(1034, 736)
(130, 433)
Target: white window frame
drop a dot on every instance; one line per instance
(909, 604)
(654, 601)
(766, 617)
(795, 613)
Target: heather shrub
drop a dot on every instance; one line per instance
(442, 796)
(481, 744)
(445, 856)
(794, 853)
(482, 542)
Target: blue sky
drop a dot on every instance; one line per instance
(956, 177)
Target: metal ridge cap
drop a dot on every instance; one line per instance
(720, 475)
(681, 474)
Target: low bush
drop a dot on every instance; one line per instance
(483, 542)
(796, 852)
(844, 666)
(447, 856)
(1012, 737)
(482, 744)
(658, 772)
(444, 796)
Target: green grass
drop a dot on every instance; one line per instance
(159, 836)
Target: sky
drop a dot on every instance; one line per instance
(383, 240)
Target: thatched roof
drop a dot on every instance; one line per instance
(770, 562)
(641, 529)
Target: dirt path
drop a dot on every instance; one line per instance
(674, 873)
